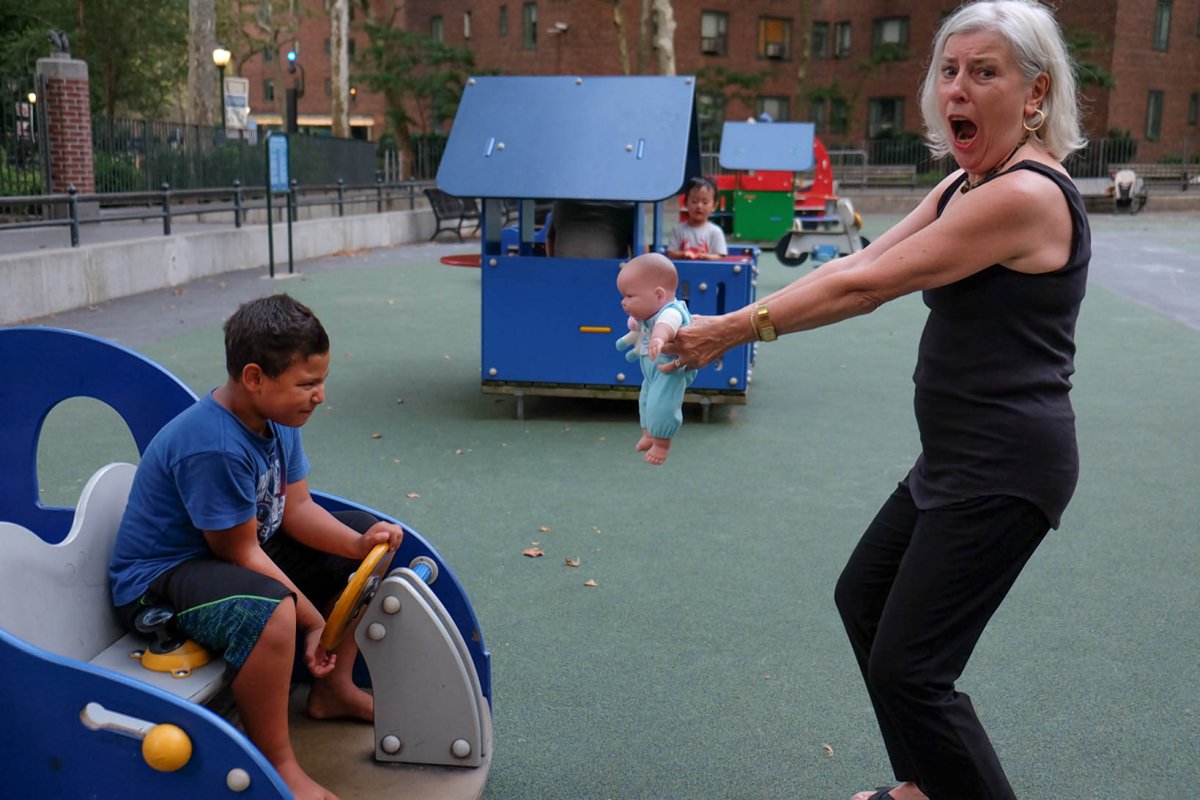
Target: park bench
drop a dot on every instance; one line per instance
(1163, 173)
(877, 175)
(452, 212)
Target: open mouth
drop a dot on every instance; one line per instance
(963, 130)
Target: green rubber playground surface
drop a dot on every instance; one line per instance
(708, 660)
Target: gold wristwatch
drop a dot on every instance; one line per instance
(761, 320)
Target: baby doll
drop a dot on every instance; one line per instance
(647, 285)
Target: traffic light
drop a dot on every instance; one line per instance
(291, 56)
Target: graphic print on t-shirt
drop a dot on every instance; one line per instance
(271, 494)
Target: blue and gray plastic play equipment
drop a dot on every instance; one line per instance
(549, 323)
(88, 720)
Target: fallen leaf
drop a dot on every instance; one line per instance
(533, 552)
(458, 451)
(447, 357)
(179, 292)
(543, 529)
(591, 583)
(412, 495)
(399, 401)
(376, 435)
(391, 302)
(571, 562)
(595, 529)
(828, 750)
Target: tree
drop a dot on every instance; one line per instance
(420, 78)
(803, 55)
(622, 44)
(339, 76)
(201, 107)
(664, 36)
(132, 50)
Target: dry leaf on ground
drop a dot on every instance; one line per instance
(412, 496)
(533, 552)
(828, 750)
(376, 435)
(571, 562)
(591, 583)
(543, 529)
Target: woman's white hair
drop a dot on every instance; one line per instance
(1037, 44)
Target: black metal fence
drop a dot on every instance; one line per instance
(1092, 161)
(140, 155)
(23, 164)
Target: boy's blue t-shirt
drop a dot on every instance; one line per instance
(204, 470)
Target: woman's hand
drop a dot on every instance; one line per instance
(703, 341)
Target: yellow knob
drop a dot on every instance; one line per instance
(166, 748)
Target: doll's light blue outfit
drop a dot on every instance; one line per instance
(660, 403)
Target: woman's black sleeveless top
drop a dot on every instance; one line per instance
(993, 379)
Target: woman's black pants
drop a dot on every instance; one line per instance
(915, 597)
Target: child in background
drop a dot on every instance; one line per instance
(220, 526)
(647, 285)
(698, 238)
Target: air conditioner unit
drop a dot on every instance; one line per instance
(774, 50)
(710, 44)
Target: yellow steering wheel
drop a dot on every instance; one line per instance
(355, 596)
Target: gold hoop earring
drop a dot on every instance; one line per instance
(1041, 115)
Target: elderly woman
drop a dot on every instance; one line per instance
(1000, 251)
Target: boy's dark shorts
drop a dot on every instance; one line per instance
(225, 607)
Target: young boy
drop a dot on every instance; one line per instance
(698, 238)
(221, 527)
(647, 285)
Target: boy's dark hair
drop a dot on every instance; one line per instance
(271, 332)
(700, 182)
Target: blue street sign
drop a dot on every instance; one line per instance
(277, 160)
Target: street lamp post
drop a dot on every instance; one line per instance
(220, 57)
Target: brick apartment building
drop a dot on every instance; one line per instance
(850, 66)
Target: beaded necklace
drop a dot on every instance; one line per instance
(968, 186)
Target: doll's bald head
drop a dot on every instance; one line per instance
(653, 268)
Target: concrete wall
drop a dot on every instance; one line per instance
(47, 282)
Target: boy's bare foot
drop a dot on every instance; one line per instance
(905, 791)
(304, 787)
(333, 700)
(658, 450)
(644, 443)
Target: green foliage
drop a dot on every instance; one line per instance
(421, 78)
(887, 52)
(116, 172)
(1082, 45)
(22, 183)
(24, 33)
(135, 49)
(740, 86)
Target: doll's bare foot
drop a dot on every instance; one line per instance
(644, 443)
(302, 786)
(336, 700)
(658, 450)
(905, 791)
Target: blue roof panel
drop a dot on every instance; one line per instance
(768, 145)
(562, 137)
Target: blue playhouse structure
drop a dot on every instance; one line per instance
(89, 720)
(822, 225)
(549, 323)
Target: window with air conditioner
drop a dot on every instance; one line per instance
(774, 37)
(714, 28)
